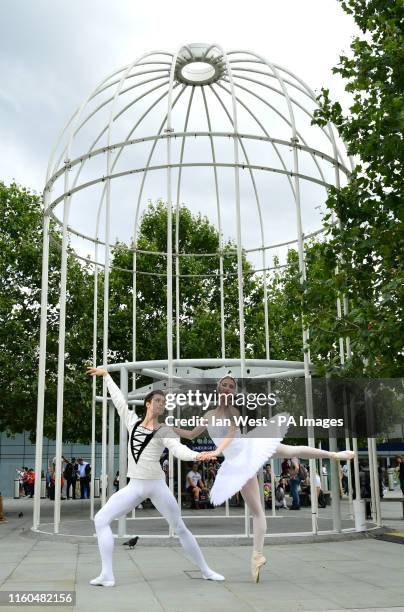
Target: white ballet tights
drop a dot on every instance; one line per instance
(251, 495)
(123, 501)
(286, 451)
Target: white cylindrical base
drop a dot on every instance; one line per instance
(359, 514)
(390, 476)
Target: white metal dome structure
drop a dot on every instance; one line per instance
(230, 134)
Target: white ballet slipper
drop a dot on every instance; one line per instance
(213, 576)
(100, 581)
(257, 561)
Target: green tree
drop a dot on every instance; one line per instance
(199, 303)
(20, 295)
(369, 246)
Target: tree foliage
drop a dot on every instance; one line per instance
(369, 246)
(20, 296)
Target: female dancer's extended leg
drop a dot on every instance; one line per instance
(164, 501)
(119, 504)
(286, 451)
(251, 495)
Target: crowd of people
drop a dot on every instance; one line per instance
(26, 477)
(74, 482)
(294, 480)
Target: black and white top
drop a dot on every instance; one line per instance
(139, 439)
(145, 446)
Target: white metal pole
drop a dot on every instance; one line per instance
(61, 354)
(94, 382)
(105, 348)
(169, 303)
(41, 368)
(377, 483)
(123, 448)
(111, 449)
(372, 478)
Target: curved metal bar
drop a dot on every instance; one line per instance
(219, 224)
(169, 262)
(225, 274)
(135, 141)
(239, 239)
(110, 148)
(265, 132)
(268, 74)
(95, 93)
(329, 136)
(72, 118)
(261, 224)
(177, 232)
(105, 103)
(227, 252)
(117, 93)
(306, 91)
(134, 259)
(177, 272)
(305, 331)
(99, 89)
(329, 125)
(285, 119)
(210, 49)
(239, 166)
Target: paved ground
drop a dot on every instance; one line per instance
(364, 574)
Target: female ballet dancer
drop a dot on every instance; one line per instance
(147, 440)
(244, 456)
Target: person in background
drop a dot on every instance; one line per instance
(195, 484)
(211, 474)
(165, 466)
(50, 476)
(344, 479)
(400, 470)
(294, 483)
(84, 471)
(70, 474)
(267, 473)
(116, 481)
(30, 482)
(21, 480)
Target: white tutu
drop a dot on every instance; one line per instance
(244, 456)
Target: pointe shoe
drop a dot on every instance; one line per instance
(257, 561)
(344, 455)
(213, 576)
(99, 581)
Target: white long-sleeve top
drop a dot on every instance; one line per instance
(148, 465)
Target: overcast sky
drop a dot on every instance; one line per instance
(53, 53)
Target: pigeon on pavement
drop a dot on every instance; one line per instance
(132, 542)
